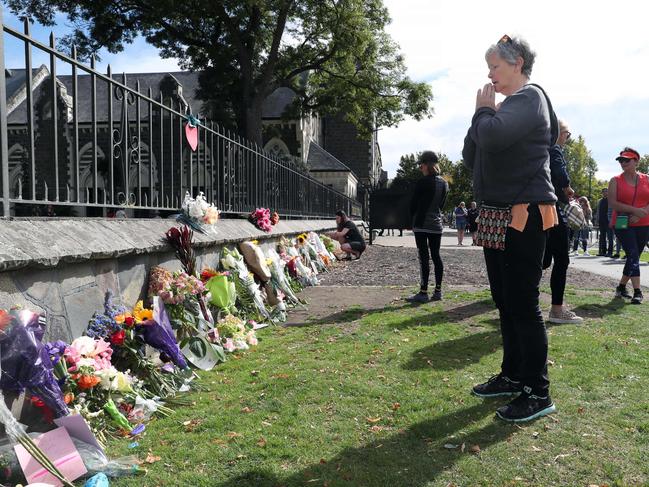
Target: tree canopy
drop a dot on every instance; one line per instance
(581, 167)
(335, 54)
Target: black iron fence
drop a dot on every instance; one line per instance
(77, 139)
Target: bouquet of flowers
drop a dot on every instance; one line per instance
(222, 290)
(199, 214)
(305, 275)
(274, 218)
(24, 360)
(235, 334)
(279, 279)
(309, 254)
(321, 248)
(248, 291)
(181, 241)
(261, 218)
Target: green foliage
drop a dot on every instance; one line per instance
(581, 168)
(643, 164)
(336, 56)
(460, 185)
(408, 171)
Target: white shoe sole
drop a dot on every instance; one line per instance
(561, 321)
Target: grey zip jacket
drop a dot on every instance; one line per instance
(507, 150)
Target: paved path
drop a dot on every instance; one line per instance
(602, 266)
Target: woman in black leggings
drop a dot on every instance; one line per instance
(425, 211)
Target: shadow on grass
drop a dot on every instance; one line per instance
(450, 315)
(456, 353)
(615, 306)
(352, 314)
(413, 457)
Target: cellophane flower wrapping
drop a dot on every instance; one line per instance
(25, 362)
(232, 260)
(199, 214)
(159, 334)
(279, 280)
(223, 293)
(320, 247)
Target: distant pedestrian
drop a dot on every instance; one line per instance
(582, 236)
(460, 221)
(605, 231)
(471, 218)
(628, 194)
(427, 200)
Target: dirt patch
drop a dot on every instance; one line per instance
(340, 304)
(398, 266)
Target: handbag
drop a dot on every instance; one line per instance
(492, 226)
(622, 219)
(493, 220)
(574, 214)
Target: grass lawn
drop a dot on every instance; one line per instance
(382, 399)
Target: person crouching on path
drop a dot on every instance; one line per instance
(628, 195)
(347, 234)
(507, 149)
(425, 211)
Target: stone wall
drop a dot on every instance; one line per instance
(64, 267)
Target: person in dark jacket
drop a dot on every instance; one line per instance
(427, 200)
(472, 219)
(605, 231)
(506, 148)
(558, 243)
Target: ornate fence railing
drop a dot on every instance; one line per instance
(87, 142)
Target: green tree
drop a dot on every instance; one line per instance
(336, 55)
(460, 185)
(643, 164)
(581, 167)
(408, 171)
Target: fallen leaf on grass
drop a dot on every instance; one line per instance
(323, 461)
(581, 410)
(280, 376)
(254, 373)
(563, 455)
(474, 449)
(192, 424)
(535, 434)
(152, 458)
(218, 441)
(536, 448)
(232, 435)
(261, 442)
(246, 410)
(373, 420)
(395, 406)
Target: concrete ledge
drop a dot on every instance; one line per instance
(50, 242)
(64, 267)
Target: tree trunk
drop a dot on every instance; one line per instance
(253, 128)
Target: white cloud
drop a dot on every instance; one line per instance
(591, 60)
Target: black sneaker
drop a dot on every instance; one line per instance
(497, 385)
(437, 295)
(637, 297)
(526, 407)
(615, 256)
(621, 292)
(418, 298)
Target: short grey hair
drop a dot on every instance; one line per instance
(510, 50)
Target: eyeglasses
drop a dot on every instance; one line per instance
(568, 135)
(505, 40)
(623, 160)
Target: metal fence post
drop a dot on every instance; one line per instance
(4, 146)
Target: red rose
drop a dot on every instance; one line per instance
(129, 321)
(118, 337)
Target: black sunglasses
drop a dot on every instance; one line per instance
(623, 160)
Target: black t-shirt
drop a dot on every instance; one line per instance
(353, 235)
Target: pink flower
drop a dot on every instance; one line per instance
(228, 345)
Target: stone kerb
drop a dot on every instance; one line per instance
(64, 267)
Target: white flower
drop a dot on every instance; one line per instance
(84, 345)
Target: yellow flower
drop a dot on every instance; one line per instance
(254, 242)
(140, 313)
(120, 318)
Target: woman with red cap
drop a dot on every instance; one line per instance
(628, 195)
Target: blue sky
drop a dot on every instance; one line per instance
(594, 70)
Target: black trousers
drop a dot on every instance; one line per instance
(514, 277)
(557, 249)
(429, 242)
(605, 239)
